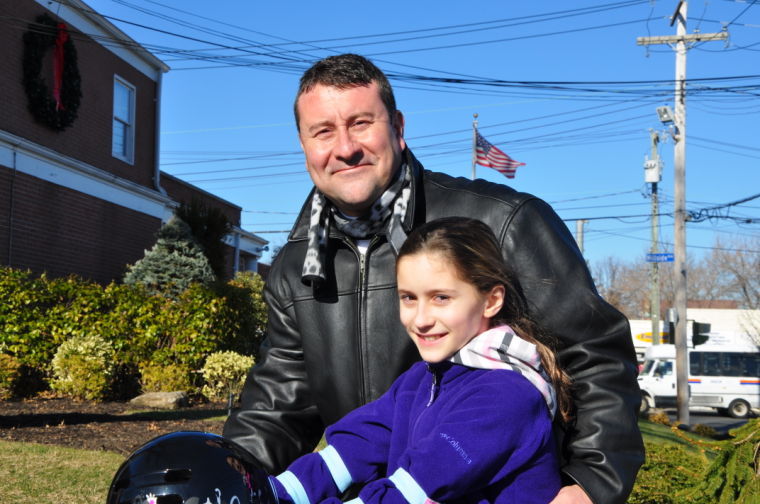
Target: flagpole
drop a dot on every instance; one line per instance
(474, 142)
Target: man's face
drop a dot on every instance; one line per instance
(352, 146)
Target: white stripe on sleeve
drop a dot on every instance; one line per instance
(409, 488)
(337, 468)
(294, 487)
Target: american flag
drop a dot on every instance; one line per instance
(493, 157)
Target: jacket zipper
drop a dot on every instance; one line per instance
(431, 399)
(361, 310)
(433, 386)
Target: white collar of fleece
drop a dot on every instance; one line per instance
(500, 348)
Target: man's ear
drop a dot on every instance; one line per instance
(494, 301)
(398, 127)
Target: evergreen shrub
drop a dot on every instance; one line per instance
(82, 367)
(209, 226)
(733, 477)
(668, 471)
(224, 374)
(174, 263)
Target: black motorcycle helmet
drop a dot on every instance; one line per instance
(190, 468)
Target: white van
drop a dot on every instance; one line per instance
(720, 376)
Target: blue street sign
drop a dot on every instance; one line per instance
(666, 257)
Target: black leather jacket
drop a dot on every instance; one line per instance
(332, 349)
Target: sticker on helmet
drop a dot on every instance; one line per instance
(233, 500)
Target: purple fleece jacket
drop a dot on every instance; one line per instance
(444, 433)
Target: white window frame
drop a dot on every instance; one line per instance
(128, 155)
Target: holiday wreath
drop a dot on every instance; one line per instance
(59, 109)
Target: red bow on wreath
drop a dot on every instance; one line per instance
(63, 36)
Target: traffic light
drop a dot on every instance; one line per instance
(670, 323)
(700, 333)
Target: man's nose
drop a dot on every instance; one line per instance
(347, 149)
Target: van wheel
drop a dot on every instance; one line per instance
(644, 407)
(738, 408)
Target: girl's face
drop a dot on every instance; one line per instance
(440, 311)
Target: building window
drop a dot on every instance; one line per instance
(123, 120)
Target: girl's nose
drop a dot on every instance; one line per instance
(423, 318)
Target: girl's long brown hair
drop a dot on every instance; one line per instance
(473, 250)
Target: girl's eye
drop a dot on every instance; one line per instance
(441, 298)
(405, 298)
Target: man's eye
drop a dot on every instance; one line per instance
(361, 124)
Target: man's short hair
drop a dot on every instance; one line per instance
(346, 71)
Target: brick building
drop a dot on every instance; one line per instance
(88, 198)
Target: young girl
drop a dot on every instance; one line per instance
(473, 421)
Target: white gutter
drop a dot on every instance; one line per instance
(157, 141)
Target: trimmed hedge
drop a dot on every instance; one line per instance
(37, 314)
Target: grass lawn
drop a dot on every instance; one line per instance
(32, 474)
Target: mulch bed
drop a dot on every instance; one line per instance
(110, 426)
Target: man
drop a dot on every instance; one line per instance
(334, 340)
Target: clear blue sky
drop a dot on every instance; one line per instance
(227, 123)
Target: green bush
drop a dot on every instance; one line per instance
(224, 374)
(166, 378)
(10, 372)
(245, 293)
(83, 366)
(38, 314)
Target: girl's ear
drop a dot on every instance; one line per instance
(494, 301)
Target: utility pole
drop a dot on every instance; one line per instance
(679, 165)
(579, 224)
(653, 175)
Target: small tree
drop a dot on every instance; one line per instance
(174, 262)
(209, 226)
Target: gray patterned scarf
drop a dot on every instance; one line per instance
(386, 214)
